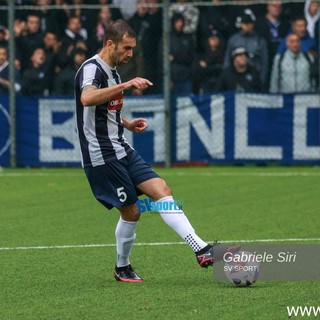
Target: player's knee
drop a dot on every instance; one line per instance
(166, 190)
(131, 217)
(130, 213)
(163, 191)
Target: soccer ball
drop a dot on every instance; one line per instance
(241, 268)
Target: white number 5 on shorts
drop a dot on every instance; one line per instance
(121, 194)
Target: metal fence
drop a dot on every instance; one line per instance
(185, 48)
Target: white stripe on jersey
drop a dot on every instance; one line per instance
(113, 132)
(89, 130)
(89, 72)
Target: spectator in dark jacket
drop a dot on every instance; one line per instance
(63, 84)
(240, 76)
(35, 80)
(51, 46)
(181, 57)
(255, 45)
(209, 64)
(272, 28)
(28, 42)
(73, 33)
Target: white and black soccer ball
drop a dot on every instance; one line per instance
(241, 268)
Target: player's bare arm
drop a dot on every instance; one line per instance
(92, 96)
(138, 125)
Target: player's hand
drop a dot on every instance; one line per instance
(138, 125)
(138, 83)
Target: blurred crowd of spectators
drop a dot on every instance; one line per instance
(253, 48)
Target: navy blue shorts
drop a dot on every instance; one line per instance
(114, 183)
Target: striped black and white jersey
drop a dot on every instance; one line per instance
(100, 128)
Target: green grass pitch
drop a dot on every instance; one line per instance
(55, 207)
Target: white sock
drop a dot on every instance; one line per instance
(125, 235)
(177, 220)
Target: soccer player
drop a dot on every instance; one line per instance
(116, 172)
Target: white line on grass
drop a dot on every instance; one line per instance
(243, 173)
(157, 244)
(249, 174)
(28, 174)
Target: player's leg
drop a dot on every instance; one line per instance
(159, 191)
(148, 182)
(126, 233)
(125, 236)
(206, 254)
(112, 186)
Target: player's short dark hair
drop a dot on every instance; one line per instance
(116, 30)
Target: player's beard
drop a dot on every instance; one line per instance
(118, 60)
(123, 61)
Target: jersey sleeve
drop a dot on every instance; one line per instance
(91, 76)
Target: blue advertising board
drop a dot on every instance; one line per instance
(220, 128)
